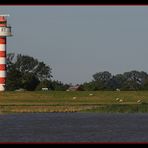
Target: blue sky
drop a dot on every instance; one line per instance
(78, 41)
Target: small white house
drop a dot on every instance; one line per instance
(117, 89)
(45, 89)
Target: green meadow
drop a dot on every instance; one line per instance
(74, 101)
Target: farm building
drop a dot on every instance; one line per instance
(74, 88)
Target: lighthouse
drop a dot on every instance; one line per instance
(5, 31)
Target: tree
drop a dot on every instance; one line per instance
(29, 81)
(134, 79)
(25, 72)
(102, 79)
(118, 81)
(13, 80)
(10, 62)
(102, 76)
(27, 64)
(90, 86)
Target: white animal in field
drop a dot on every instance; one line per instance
(117, 99)
(120, 100)
(90, 94)
(74, 98)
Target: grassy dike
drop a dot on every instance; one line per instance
(79, 101)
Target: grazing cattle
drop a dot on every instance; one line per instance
(120, 100)
(117, 99)
(90, 94)
(74, 98)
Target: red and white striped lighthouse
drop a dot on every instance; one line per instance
(5, 31)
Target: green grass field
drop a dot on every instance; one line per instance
(78, 101)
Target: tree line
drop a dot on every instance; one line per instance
(26, 72)
(132, 80)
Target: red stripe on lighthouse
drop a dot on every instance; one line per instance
(2, 40)
(2, 66)
(2, 53)
(2, 80)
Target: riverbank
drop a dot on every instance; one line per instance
(79, 101)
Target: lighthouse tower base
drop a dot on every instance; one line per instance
(2, 87)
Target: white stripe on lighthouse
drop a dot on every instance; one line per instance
(2, 60)
(2, 87)
(2, 47)
(3, 74)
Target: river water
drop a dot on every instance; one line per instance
(74, 127)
